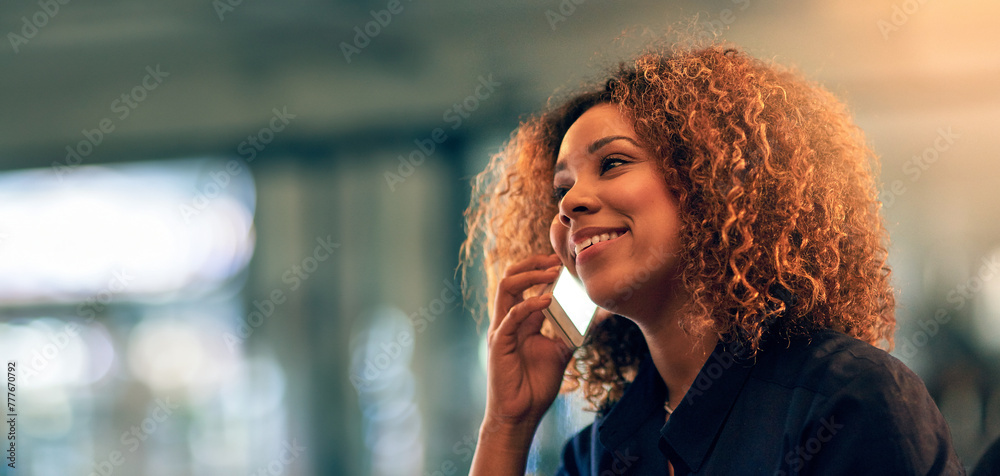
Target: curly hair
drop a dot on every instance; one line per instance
(781, 232)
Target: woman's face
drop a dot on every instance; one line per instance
(610, 185)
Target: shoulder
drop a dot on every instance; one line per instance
(859, 404)
(842, 375)
(829, 363)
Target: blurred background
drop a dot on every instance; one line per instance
(228, 229)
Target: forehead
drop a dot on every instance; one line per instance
(595, 128)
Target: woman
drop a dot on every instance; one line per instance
(743, 257)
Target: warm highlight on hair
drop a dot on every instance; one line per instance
(781, 230)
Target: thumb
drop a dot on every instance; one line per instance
(566, 350)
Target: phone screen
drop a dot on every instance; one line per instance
(573, 298)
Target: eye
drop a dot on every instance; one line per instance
(606, 163)
(558, 193)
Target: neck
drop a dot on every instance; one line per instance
(678, 356)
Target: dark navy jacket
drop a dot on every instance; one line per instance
(827, 405)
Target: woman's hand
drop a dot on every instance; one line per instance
(524, 368)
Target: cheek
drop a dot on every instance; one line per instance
(637, 194)
(558, 236)
(554, 230)
(654, 210)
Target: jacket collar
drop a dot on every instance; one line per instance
(695, 423)
(642, 399)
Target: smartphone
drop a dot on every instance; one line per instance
(571, 310)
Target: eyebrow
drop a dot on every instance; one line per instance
(597, 146)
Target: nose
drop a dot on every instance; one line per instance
(578, 201)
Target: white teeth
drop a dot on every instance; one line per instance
(595, 239)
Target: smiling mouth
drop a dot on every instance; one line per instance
(610, 237)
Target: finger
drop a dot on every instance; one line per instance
(514, 286)
(532, 262)
(510, 290)
(562, 348)
(555, 346)
(531, 325)
(566, 349)
(520, 312)
(505, 337)
(548, 328)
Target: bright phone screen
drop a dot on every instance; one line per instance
(573, 298)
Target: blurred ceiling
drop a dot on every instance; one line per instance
(907, 68)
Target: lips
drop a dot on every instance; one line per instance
(589, 252)
(583, 239)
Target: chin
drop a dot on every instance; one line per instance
(604, 293)
(628, 293)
